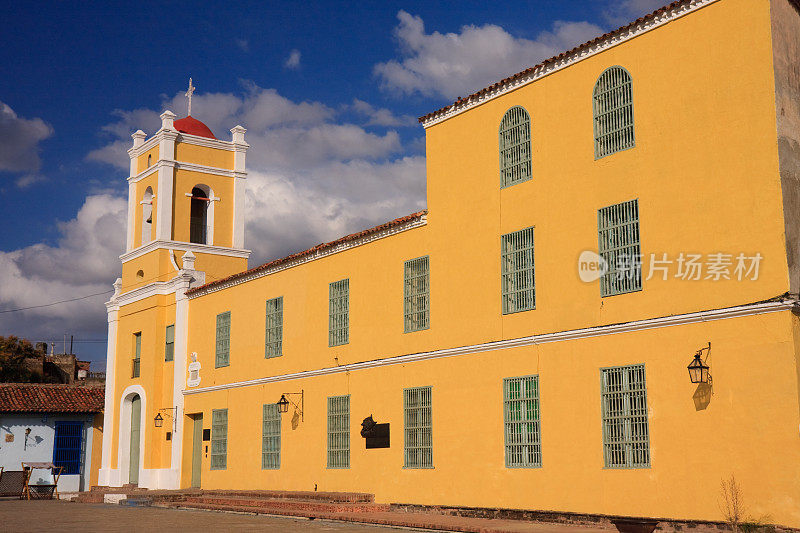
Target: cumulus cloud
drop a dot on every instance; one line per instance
(621, 12)
(457, 64)
(293, 61)
(19, 141)
(84, 261)
(381, 116)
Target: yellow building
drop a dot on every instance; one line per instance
(656, 170)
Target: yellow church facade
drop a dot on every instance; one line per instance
(593, 223)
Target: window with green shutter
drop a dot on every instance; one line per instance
(416, 294)
(626, 437)
(271, 437)
(521, 418)
(223, 349)
(169, 343)
(339, 313)
(613, 112)
(515, 147)
(418, 427)
(618, 245)
(137, 355)
(339, 431)
(517, 280)
(273, 345)
(219, 439)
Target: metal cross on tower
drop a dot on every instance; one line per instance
(189, 96)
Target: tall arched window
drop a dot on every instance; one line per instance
(149, 160)
(515, 147)
(147, 216)
(613, 112)
(198, 217)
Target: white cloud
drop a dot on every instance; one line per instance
(458, 64)
(381, 116)
(23, 182)
(243, 44)
(293, 61)
(19, 141)
(621, 12)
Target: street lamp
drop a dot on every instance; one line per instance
(283, 404)
(159, 420)
(698, 369)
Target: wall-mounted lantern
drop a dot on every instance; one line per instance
(698, 369)
(159, 420)
(170, 412)
(283, 403)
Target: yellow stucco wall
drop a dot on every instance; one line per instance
(204, 155)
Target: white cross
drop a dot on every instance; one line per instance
(189, 96)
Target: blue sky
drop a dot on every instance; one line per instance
(329, 92)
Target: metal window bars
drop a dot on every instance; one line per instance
(339, 431)
(613, 112)
(418, 425)
(169, 343)
(339, 313)
(626, 436)
(416, 294)
(223, 340)
(618, 245)
(515, 147)
(517, 278)
(219, 439)
(521, 419)
(273, 337)
(271, 437)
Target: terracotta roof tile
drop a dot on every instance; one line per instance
(38, 398)
(462, 101)
(315, 249)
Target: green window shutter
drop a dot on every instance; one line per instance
(418, 427)
(613, 112)
(521, 420)
(219, 439)
(137, 355)
(169, 344)
(626, 437)
(515, 147)
(618, 245)
(517, 279)
(223, 349)
(416, 294)
(339, 313)
(271, 438)
(273, 346)
(339, 431)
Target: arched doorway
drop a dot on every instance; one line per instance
(136, 419)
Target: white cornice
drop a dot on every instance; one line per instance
(578, 55)
(183, 279)
(197, 140)
(184, 246)
(574, 334)
(193, 167)
(255, 274)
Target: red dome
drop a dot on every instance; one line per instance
(192, 126)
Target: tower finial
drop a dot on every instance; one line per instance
(189, 96)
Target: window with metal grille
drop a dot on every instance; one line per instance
(517, 280)
(271, 438)
(68, 447)
(137, 355)
(223, 344)
(273, 344)
(626, 438)
(515, 147)
(418, 427)
(521, 418)
(219, 439)
(618, 245)
(339, 313)
(169, 343)
(613, 112)
(416, 294)
(339, 431)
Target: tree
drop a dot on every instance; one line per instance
(14, 354)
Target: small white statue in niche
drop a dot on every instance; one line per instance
(194, 371)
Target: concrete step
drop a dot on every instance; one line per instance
(351, 497)
(276, 505)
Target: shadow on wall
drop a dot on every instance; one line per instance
(702, 396)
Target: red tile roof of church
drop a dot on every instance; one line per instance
(40, 398)
(192, 126)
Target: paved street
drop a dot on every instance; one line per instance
(22, 516)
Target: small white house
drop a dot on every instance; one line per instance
(61, 424)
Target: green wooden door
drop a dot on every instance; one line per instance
(136, 416)
(197, 450)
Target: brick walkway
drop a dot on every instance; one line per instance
(51, 516)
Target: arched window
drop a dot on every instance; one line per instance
(515, 147)
(147, 216)
(613, 112)
(149, 160)
(198, 217)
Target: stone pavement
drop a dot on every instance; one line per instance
(34, 516)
